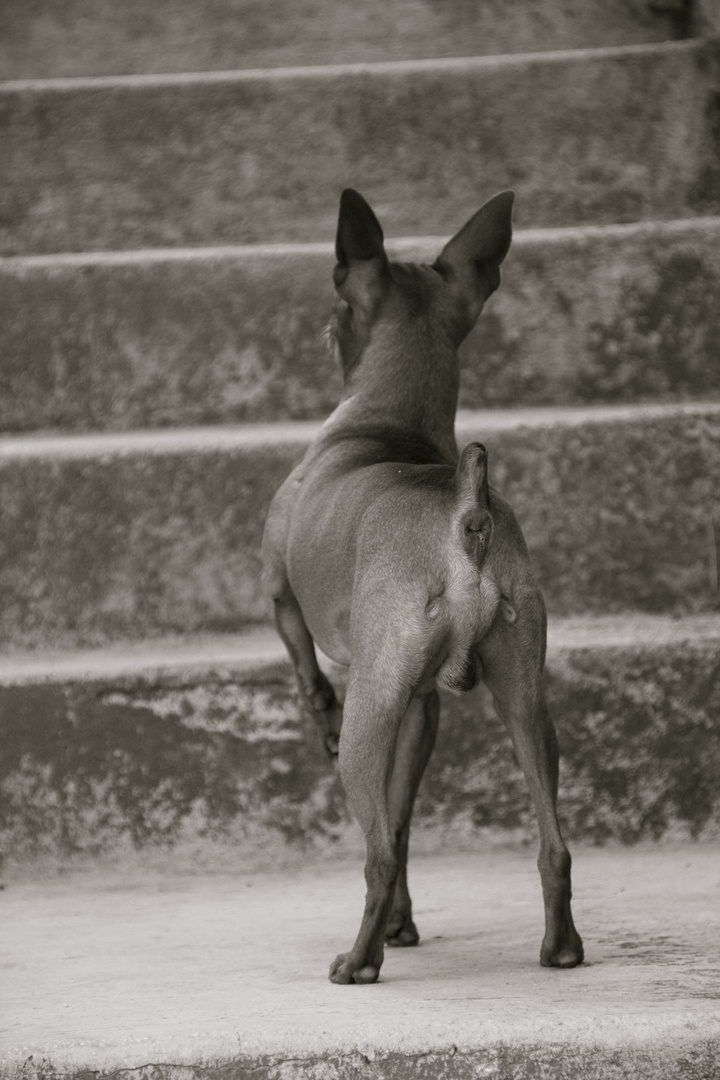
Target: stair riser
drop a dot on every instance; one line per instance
(101, 38)
(602, 138)
(619, 314)
(190, 760)
(111, 546)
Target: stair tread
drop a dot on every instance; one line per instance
(319, 71)
(100, 37)
(68, 446)
(290, 135)
(112, 340)
(112, 537)
(398, 246)
(259, 646)
(228, 969)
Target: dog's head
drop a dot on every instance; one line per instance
(442, 302)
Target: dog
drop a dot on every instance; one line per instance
(391, 552)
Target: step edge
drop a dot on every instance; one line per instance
(260, 648)
(247, 650)
(379, 67)
(299, 433)
(400, 245)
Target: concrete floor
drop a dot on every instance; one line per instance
(158, 970)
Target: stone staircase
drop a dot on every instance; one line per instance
(167, 257)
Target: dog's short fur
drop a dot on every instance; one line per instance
(395, 556)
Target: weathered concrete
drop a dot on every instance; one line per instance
(99, 37)
(130, 536)
(706, 19)
(590, 136)
(200, 746)
(224, 975)
(143, 339)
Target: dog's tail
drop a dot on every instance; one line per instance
(473, 521)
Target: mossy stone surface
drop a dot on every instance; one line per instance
(129, 545)
(582, 316)
(226, 756)
(42, 39)
(609, 138)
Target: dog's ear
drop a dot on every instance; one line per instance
(470, 262)
(359, 233)
(361, 258)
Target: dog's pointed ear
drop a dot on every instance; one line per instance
(361, 259)
(359, 233)
(471, 260)
(484, 239)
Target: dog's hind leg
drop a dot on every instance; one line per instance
(512, 656)
(373, 715)
(414, 747)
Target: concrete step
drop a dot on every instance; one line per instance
(587, 136)
(198, 747)
(173, 975)
(218, 335)
(98, 37)
(135, 535)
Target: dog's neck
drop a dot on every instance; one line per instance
(416, 392)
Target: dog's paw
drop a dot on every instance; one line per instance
(332, 745)
(328, 714)
(567, 954)
(401, 931)
(344, 970)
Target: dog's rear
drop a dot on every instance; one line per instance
(397, 558)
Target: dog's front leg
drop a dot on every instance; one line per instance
(415, 744)
(317, 692)
(371, 723)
